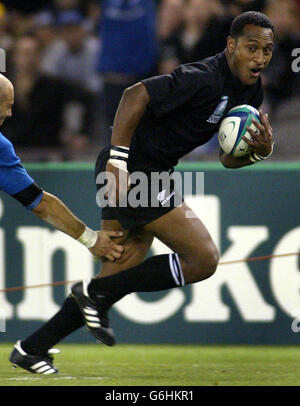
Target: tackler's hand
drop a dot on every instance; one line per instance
(105, 247)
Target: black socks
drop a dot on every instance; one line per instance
(156, 273)
(63, 323)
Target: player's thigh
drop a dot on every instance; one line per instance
(136, 243)
(188, 237)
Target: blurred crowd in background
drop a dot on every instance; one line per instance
(70, 61)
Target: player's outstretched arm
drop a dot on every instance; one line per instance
(55, 212)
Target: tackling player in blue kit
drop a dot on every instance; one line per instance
(15, 181)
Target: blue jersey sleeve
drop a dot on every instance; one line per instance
(13, 179)
(13, 176)
(8, 156)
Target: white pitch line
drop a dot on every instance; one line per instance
(19, 379)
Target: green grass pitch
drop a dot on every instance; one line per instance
(162, 365)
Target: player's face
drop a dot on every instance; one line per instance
(251, 53)
(7, 104)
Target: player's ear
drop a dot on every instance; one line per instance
(231, 42)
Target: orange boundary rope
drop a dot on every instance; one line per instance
(61, 283)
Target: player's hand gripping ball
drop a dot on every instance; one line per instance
(234, 126)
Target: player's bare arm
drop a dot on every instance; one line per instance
(50, 208)
(55, 212)
(232, 162)
(130, 111)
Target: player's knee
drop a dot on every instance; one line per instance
(212, 260)
(205, 266)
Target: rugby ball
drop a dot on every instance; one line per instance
(234, 126)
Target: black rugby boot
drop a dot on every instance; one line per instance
(36, 364)
(94, 313)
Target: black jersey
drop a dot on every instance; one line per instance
(185, 111)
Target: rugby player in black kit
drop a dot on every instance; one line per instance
(158, 121)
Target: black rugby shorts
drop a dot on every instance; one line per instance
(158, 199)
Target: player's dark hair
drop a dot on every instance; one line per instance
(250, 17)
